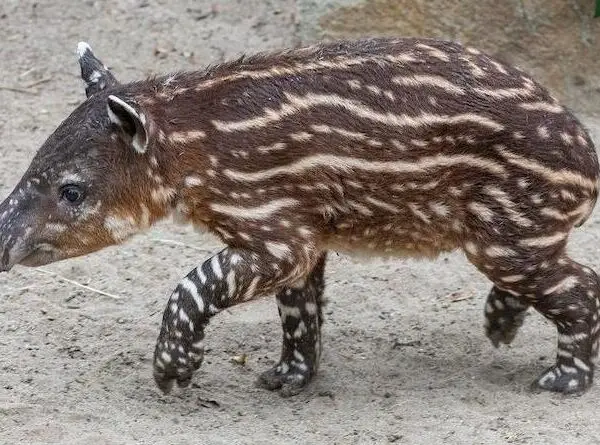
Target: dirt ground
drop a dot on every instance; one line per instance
(405, 358)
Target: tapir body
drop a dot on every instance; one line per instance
(406, 147)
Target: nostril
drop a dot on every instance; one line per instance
(4, 261)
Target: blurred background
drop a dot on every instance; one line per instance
(558, 41)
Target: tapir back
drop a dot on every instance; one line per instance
(403, 145)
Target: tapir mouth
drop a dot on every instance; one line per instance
(40, 255)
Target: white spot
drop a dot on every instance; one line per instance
(56, 227)
(70, 178)
(471, 248)
(439, 208)
(300, 330)
(564, 353)
(185, 137)
(278, 250)
(311, 308)
(120, 227)
(512, 278)
(277, 146)
(192, 181)
(301, 136)
(499, 251)
(183, 316)
(480, 210)
(543, 132)
(288, 311)
(298, 356)
(162, 194)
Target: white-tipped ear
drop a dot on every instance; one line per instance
(93, 72)
(132, 123)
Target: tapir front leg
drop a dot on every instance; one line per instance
(228, 278)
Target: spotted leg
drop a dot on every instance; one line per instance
(571, 301)
(539, 272)
(228, 278)
(504, 315)
(300, 310)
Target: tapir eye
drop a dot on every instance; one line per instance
(72, 193)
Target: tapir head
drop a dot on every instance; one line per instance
(84, 189)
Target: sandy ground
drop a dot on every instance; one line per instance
(405, 358)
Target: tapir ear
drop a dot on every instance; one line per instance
(93, 72)
(132, 123)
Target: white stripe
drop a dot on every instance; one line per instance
(580, 364)
(299, 103)
(435, 52)
(542, 106)
(338, 63)
(419, 80)
(347, 164)
(201, 275)
(563, 285)
(562, 176)
(278, 250)
(543, 241)
(251, 289)
(216, 267)
(189, 286)
(259, 212)
(382, 204)
(507, 93)
(231, 287)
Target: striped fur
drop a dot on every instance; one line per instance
(384, 146)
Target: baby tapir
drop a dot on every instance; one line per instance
(406, 147)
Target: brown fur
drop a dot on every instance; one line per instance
(386, 146)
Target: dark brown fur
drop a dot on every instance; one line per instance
(386, 146)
